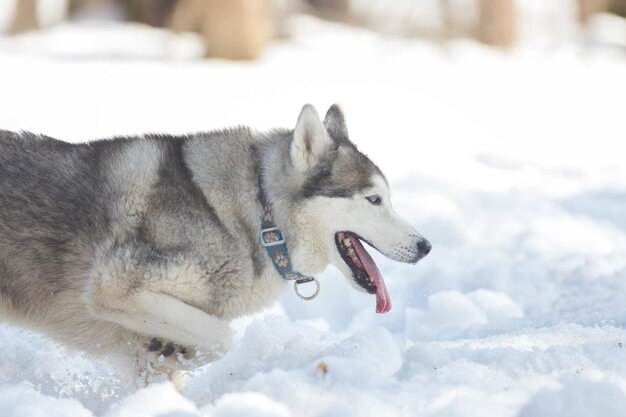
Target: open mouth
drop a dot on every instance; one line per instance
(364, 270)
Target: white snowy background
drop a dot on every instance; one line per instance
(510, 163)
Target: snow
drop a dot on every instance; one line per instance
(577, 399)
(509, 163)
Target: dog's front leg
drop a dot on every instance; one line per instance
(173, 320)
(162, 319)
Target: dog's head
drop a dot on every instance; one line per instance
(347, 197)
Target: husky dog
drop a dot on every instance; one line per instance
(152, 244)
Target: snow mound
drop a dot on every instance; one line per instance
(450, 313)
(248, 404)
(19, 401)
(577, 398)
(154, 401)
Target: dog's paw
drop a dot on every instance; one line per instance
(168, 351)
(161, 353)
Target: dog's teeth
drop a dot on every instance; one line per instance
(347, 242)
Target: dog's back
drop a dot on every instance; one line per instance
(49, 206)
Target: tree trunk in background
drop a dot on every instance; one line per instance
(233, 29)
(334, 10)
(237, 29)
(25, 18)
(447, 24)
(497, 22)
(188, 16)
(151, 12)
(587, 8)
(74, 6)
(618, 7)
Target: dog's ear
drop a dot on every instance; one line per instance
(335, 123)
(310, 139)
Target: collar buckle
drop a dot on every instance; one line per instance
(271, 236)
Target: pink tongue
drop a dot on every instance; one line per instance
(383, 302)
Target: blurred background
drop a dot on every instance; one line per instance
(242, 29)
(82, 69)
(499, 125)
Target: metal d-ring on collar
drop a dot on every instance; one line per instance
(273, 240)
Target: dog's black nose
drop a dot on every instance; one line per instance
(424, 247)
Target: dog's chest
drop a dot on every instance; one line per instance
(262, 292)
(227, 289)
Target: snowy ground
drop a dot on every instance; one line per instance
(509, 164)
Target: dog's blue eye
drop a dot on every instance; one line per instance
(374, 199)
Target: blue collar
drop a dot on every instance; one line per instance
(273, 240)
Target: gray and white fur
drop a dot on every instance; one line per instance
(149, 245)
